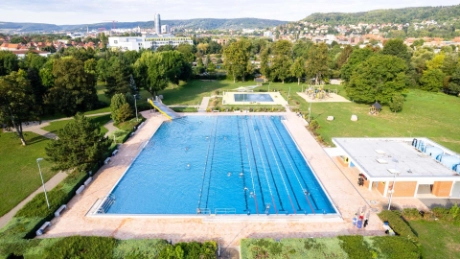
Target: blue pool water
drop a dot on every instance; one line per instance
(220, 164)
(253, 98)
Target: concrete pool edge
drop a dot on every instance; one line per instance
(331, 217)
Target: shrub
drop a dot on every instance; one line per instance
(394, 247)
(81, 247)
(411, 214)
(396, 103)
(440, 212)
(355, 247)
(313, 125)
(398, 224)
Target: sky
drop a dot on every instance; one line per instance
(96, 11)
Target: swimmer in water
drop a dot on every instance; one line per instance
(229, 174)
(241, 174)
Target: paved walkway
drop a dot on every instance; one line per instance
(55, 180)
(109, 125)
(37, 127)
(204, 104)
(227, 230)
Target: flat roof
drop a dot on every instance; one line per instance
(381, 158)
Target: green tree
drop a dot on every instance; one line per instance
(283, 48)
(73, 89)
(17, 103)
(120, 108)
(344, 56)
(432, 80)
(317, 62)
(357, 57)
(237, 59)
(118, 79)
(80, 145)
(280, 68)
(396, 47)
(211, 67)
(298, 69)
(264, 60)
(8, 62)
(454, 82)
(379, 78)
(188, 51)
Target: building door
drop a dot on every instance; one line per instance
(456, 190)
(424, 189)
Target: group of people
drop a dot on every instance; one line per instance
(361, 218)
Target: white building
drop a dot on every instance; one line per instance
(146, 42)
(268, 34)
(165, 29)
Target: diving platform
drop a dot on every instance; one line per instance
(163, 109)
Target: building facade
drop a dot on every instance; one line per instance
(146, 42)
(157, 23)
(165, 29)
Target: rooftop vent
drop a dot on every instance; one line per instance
(379, 151)
(393, 171)
(382, 161)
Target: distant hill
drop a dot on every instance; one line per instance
(205, 24)
(405, 15)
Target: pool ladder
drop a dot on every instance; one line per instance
(108, 201)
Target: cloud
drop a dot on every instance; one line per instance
(94, 11)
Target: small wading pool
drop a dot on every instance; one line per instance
(222, 165)
(253, 98)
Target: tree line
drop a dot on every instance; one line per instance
(369, 74)
(65, 82)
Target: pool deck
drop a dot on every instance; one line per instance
(227, 230)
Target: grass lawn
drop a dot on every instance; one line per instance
(57, 125)
(425, 114)
(192, 92)
(19, 175)
(438, 239)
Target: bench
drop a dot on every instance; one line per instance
(115, 152)
(59, 211)
(88, 181)
(107, 160)
(41, 230)
(140, 125)
(80, 189)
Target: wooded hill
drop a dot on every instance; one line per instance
(405, 15)
(201, 23)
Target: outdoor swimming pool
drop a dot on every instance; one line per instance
(253, 98)
(220, 164)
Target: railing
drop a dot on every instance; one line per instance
(203, 211)
(225, 211)
(108, 201)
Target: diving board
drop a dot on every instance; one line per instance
(165, 110)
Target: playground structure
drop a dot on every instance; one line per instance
(318, 92)
(163, 109)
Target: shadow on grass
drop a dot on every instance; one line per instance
(35, 140)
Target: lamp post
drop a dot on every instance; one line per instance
(395, 173)
(43, 183)
(135, 106)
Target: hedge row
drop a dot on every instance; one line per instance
(14, 238)
(352, 247)
(107, 247)
(398, 224)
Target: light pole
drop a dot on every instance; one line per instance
(135, 106)
(43, 183)
(395, 172)
(309, 112)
